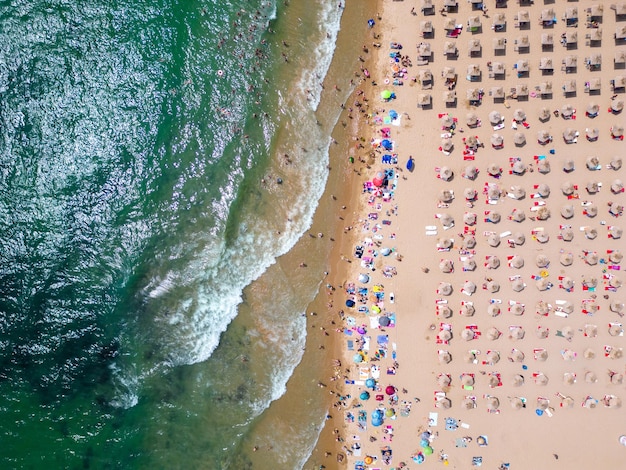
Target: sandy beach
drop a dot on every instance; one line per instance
(476, 300)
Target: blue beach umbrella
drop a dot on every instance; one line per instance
(350, 303)
(364, 395)
(387, 145)
(370, 383)
(357, 358)
(393, 114)
(370, 23)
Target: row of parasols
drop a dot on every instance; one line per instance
(543, 309)
(542, 403)
(540, 354)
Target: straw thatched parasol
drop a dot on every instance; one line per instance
(517, 333)
(567, 331)
(517, 285)
(518, 216)
(615, 281)
(543, 213)
(542, 236)
(467, 380)
(424, 100)
(569, 166)
(593, 163)
(541, 355)
(566, 259)
(592, 133)
(444, 335)
(543, 137)
(616, 256)
(493, 217)
(447, 121)
(444, 243)
(569, 378)
(494, 170)
(493, 403)
(469, 264)
(493, 240)
(616, 306)
(516, 262)
(519, 139)
(471, 172)
(492, 286)
(470, 357)
(519, 115)
(469, 242)
(568, 188)
(445, 311)
(616, 353)
(567, 234)
(446, 266)
(517, 309)
(542, 284)
(446, 173)
(493, 310)
(497, 140)
(492, 262)
(443, 380)
(517, 192)
(543, 166)
(445, 288)
(469, 218)
(616, 378)
(541, 379)
(616, 329)
(544, 114)
(474, 46)
(617, 105)
(495, 117)
(519, 238)
(470, 194)
(567, 211)
(590, 330)
(591, 377)
(567, 402)
(612, 402)
(593, 109)
(471, 119)
(567, 111)
(469, 287)
(591, 210)
(542, 307)
(447, 145)
(494, 381)
(493, 333)
(516, 355)
(617, 186)
(591, 234)
(616, 209)
(542, 403)
(617, 131)
(589, 281)
(516, 403)
(542, 261)
(446, 195)
(468, 403)
(570, 135)
(518, 380)
(542, 332)
(444, 357)
(446, 220)
(467, 310)
(444, 403)
(493, 357)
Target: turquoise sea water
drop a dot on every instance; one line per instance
(141, 148)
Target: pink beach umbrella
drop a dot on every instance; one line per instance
(390, 390)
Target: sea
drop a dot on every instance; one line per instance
(158, 160)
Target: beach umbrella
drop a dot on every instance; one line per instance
(542, 332)
(365, 395)
(544, 114)
(591, 233)
(445, 335)
(542, 403)
(616, 306)
(616, 330)
(591, 258)
(470, 194)
(516, 403)
(518, 237)
(493, 217)
(568, 167)
(444, 243)
(616, 256)
(593, 163)
(542, 284)
(467, 380)
(541, 355)
(543, 213)
(493, 403)
(444, 357)
(468, 334)
(468, 404)
(543, 166)
(569, 378)
(390, 412)
(447, 121)
(543, 190)
(518, 285)
(592, 134)
(447, 145)
(493, 333)
(471, 172)
(615, 282)
(517, 309)
(469, 287)
(370, 383)
(617, 131)
(567, 234)
(494, 170)
(378, 180)
(472, 142)
(350, 303)
(568, 188)
(590, 282)
(516, 355)
(471, 119)
(357, 358)
(497, 140)
(616, 163)
(493, 310)
(446, 220)
(467, 310)
(591, 377)
(469, 357)
(616, 353)
(616, 209)
(444, 403)
(446, 195)
(494, 381)
(542, 308)
(566, 259)
(593, 109)
(517, 192)
(446, 266)
(517, 333)
(445, 311)
(519, 139)
(469, 242)
(518, 380)
(617, 186)
(446, 173)
(542, 236)
(469, 265)
(364, 278)
(567, 211)
(567, 283)
(445, 288)
(542, 261)
(569, 135)
(568, 332)
(519, 115)
(469, 218)
(591, 210)
(492, 262)
(493, 240)
(567, 307)
(613, 402)
(390, 390)
(385, 94)
(517, 216)
(543, 137)
(518, 168)
(591, 331)
(384, 321)
(493, 357)
(617, 105)
(567, 110)
(493, 192)
(516, 262)
(495, 117)
(493, 286)
(616, 378)
(541, 379)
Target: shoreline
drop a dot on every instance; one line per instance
(497, 437)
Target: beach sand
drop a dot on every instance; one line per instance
(563, 315)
